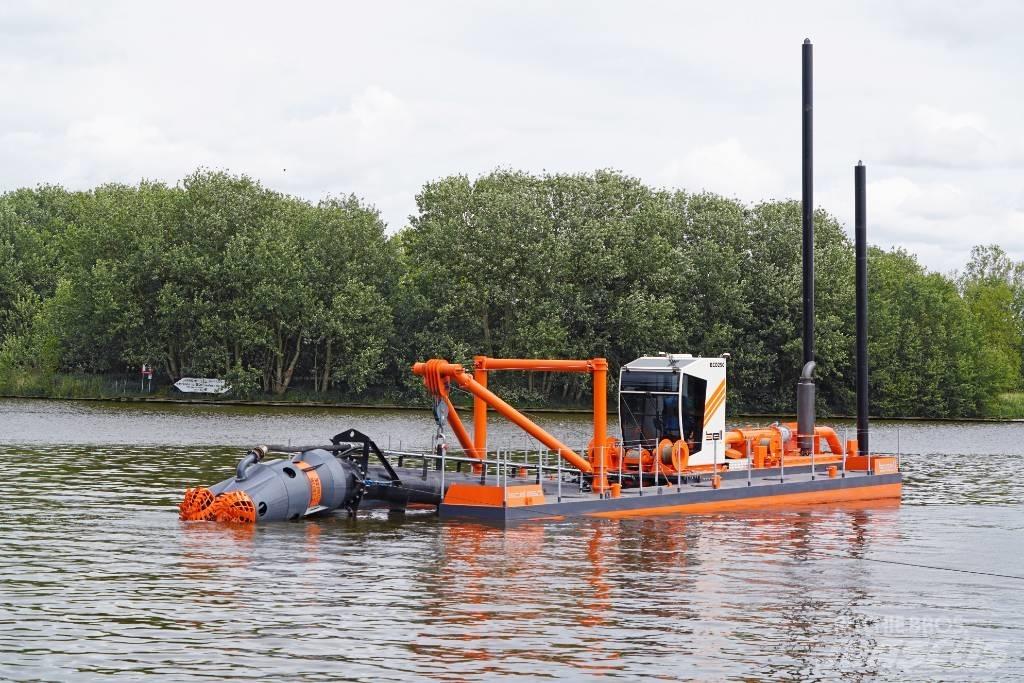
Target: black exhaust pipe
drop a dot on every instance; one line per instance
(861, 246)
(805, 389)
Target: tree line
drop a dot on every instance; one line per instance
(218, 276)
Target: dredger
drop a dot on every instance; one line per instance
(672, 452)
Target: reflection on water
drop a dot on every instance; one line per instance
(98, 577)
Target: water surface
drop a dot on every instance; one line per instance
(99, 579)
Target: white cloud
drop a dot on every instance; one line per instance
(727, 169)
(937, 220)
(936, 138)
(378, 98)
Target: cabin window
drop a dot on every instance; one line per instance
(648, 418)
(694, 396)
(639, 380)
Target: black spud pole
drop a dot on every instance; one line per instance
(805, 392)
(861, 246)
(807, 200)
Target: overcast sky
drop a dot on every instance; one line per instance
(377, 98)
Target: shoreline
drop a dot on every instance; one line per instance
(397, 406)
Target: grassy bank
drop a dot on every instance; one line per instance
(26, 384)
(1009, 406)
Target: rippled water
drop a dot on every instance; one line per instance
(98, 578)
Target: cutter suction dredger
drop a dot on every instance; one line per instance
(672, 454)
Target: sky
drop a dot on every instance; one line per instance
(376, 99)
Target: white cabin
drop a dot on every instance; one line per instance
(674, 396)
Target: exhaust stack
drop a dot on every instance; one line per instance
(861, 247)
(805, 388)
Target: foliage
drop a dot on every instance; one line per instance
(218, 276)
(215, 274)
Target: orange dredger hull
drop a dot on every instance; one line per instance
(733, 492)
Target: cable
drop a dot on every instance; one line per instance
(924, 566)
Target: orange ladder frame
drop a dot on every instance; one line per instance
(437, 372)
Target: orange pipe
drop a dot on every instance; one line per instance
(469, 384)
(446, 369)
(480, 409)
(486, 363)
(600, 366)
(600, 373)
(831, 438)
(460, 431)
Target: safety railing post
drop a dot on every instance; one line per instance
(714, 465)
(750, 466)
(622, 454)
(504, 490)
(640, 466)
(559, 468)
(899, 452)
(812, 463)
(657, 467)
(444, 455)
(679, 475)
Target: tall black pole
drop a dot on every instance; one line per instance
(805, 387)
(807, 200)
(861, 246)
